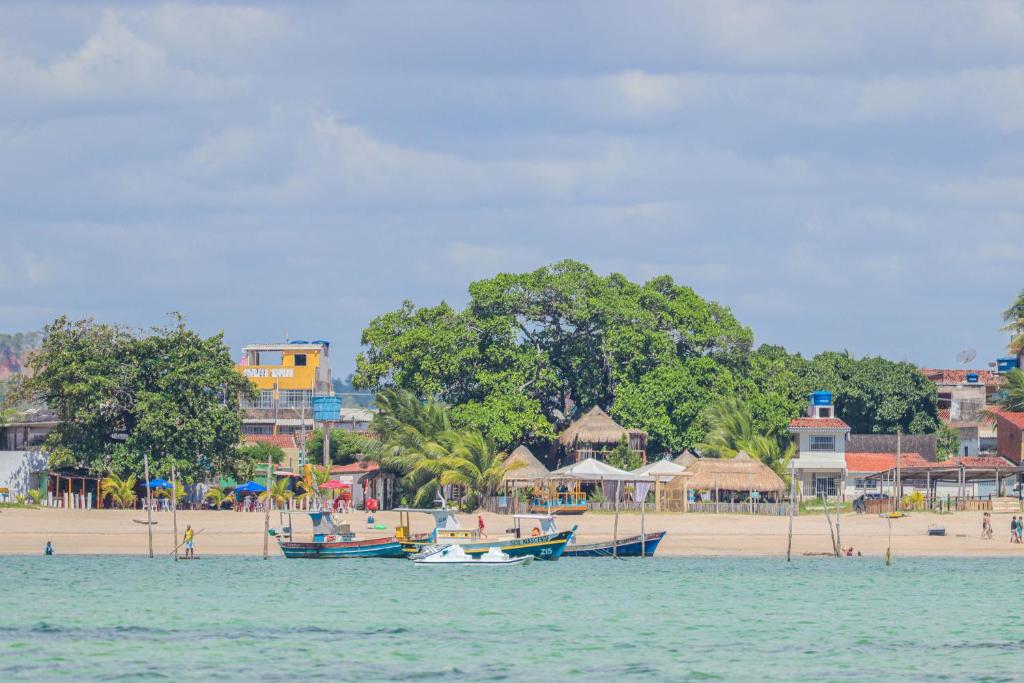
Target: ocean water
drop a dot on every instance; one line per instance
(816, 619)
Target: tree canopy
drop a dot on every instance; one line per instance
(119, 393)
(530, 351)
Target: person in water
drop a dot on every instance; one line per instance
(49, 548)
(189, 550)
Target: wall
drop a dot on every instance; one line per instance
(1008, 440)
(925, 444)
(17, 470)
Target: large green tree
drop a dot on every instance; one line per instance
(531, 347)
(1014, 319)
(120, 393)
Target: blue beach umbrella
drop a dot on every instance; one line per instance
(250, 487)
(159, 484)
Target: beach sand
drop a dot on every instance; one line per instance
(26, 531)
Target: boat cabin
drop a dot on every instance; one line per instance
(539, 525)
(446, 525)
(560, 498)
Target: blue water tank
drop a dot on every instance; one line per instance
(1005, 364)
(821, 398)
(298, 341)
(972, 378)
(327, 408)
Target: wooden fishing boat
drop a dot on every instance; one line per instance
(633, 546)
(331, 541)
(544, 543)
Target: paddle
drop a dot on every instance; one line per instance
(183, 542)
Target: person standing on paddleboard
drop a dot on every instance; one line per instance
(189, 551)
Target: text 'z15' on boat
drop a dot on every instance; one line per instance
(333, 541)
(545, 541)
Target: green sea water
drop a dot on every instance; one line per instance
(817, 619)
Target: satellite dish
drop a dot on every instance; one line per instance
(966, 356)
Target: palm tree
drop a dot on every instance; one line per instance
(121, 490)
(218, 496)
(414, 436)
(1014, 319)
(310, 485)
(732, 431)
(731, 427)
(474, 465)
(1011, 396)
(278, 493)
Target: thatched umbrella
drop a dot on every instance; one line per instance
(532, 467)
(741, 473)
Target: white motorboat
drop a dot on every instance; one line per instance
(454, 554)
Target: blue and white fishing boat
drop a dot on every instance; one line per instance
(632, 546)
(331, 541)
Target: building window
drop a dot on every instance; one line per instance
(265, 401)
(865, 484)
(300, 359)
(295, 398)
(824, 412)
(945, 400)
(823, 443)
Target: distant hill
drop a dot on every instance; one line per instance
(14, 351)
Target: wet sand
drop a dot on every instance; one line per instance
(26, 531)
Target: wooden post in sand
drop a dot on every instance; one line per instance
(792, 502)
(266, 516)
(643, 535)
(615, 528)
(149, 505)
(174, 507)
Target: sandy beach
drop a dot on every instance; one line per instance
(26, 531)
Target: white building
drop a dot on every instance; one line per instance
(820, 464)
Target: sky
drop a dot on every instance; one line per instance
(842, 175)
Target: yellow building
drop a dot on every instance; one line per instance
(288, 375)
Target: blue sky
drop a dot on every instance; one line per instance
(842, 175)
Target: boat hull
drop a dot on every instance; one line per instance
(627, 547)
(549, 547)
(334, 550)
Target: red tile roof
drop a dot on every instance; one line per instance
(818, 423)
(281, 440)
(1016, 419)
(979, 461)
(356, 467)
(946, 376)
(880, 462)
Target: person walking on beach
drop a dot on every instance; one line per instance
(1020, 529)
(190, 552)
(480, 526)
(48, 550)
(986, 526)
(1013, 529)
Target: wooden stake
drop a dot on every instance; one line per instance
(149, 505)
(792, 503)
(174, 506)
(266, 516)
(643, 536)
(615, 531)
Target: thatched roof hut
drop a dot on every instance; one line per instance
(596, 432)
(686, 458)
(532, 467)
(741, 473)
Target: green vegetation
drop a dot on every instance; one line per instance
(530, 347)
(418, 441)
(1014, 319)
(252, 455)
(948, 445)
(1011, 396)
(120, 393)
(623, 457)
(120, 489)
(732, 428)
(278, 493)
(218, 497)
(343, 447)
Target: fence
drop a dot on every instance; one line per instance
(748, 508)
(935, 504)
